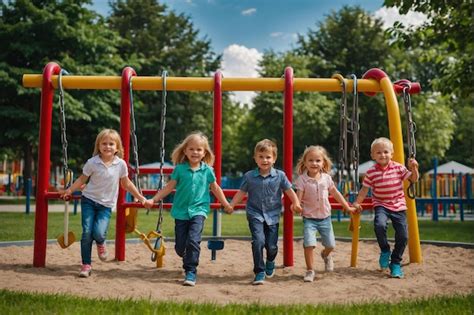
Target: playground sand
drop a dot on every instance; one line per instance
(444, 271)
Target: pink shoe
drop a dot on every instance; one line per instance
(85, 271)
(102, 252)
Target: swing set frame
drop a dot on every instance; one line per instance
(372, 82)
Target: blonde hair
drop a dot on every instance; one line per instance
(381, 140)
(178, 156)
(264, 146)
(301, 168)
(114, 136)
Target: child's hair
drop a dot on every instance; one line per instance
(178, 155)
(266, 145)
(301, 168)
(381, 140)
(112, 134)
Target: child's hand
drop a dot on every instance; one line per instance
(296, 208)
(65, 194)
(228, 209)
(357, 207)
(353, 209)
(412, 164)
(148, 203)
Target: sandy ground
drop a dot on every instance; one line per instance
(445, 271)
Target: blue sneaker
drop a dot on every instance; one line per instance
(384, 260)
(190, 279)
(269, 269)
(396, 271)
(259, 278)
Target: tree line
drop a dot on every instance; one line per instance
(149, 37)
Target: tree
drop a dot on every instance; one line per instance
(444, 51)
(75, 37)
(157, 39)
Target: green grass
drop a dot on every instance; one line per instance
(26, 303)
(20, 226)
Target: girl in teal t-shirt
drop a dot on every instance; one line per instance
(193, 178)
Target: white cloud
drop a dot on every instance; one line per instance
(391, 15)
(240, 61)
(250, 11)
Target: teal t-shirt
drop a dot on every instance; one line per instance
(192, 195)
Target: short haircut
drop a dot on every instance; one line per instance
(266, 145)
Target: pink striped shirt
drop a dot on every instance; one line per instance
(315, 201)
(387, 185)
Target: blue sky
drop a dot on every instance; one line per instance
(242, 30)
(259, 24)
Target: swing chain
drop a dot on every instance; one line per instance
(67, 173)
(411, 130)
(158, 240)
(342, 131)
(355, 128)
(134, 137)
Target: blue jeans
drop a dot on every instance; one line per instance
(95, 222)
(188, 241)
(399, 223)
(263, 236)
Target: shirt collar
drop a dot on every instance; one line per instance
(380, 168)
(272, 173)
(98, 160)
(201, 166)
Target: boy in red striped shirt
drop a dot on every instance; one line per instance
(385, 179)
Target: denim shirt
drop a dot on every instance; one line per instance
(264, 195)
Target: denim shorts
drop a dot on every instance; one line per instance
(324, 227)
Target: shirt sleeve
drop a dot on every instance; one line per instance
(299, 183)
(211, 176)
(245, 183)
(330, 182)
(175, 174)
(367, 182)
(87, 169)
(404, 172)
(284, 183)
(123, 169)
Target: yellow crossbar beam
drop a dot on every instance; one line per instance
(200, 84)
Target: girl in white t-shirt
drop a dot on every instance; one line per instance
(313, 187)
(102, 172)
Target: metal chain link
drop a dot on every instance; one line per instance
(411, 130)
(355, 127)
(67, 173)
(164, 75)
(342, 132)
(134, 137)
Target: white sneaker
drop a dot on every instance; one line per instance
(102, 252)
(309, 276)
(328, 262)
(85, 271)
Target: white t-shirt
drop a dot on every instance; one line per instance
(104, 180)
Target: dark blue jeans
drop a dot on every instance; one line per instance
(188, 241)
(263, 236)
(95, 222)
(399, 223)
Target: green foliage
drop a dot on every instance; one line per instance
(75, 37)
(26, 303)
(442, 55)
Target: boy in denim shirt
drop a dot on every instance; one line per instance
(265, 187)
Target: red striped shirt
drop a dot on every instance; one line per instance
(387, 185)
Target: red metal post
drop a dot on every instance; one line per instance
(44, 154)
(288, 166)
(217, 134)
(120, 224)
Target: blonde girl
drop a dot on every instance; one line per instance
(193, 178)
(102, 172)
(313, 187)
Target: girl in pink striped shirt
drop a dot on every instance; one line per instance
(385, 179)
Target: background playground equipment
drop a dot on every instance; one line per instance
(373, 81)
(446, 191)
